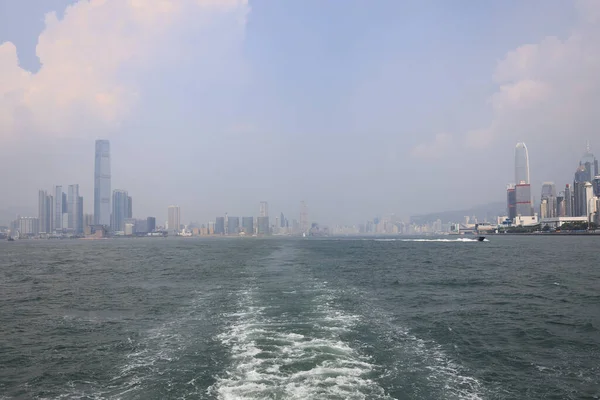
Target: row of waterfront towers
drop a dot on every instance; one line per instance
(60, 212)
(577, 200)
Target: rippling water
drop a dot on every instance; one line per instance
(515, 317)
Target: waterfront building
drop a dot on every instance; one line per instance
(102, 177)
(248, 225)
(233, 225)
(120, 210)
(219, 226)
(45, 212)
(174, 219)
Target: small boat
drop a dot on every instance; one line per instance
(480, 238)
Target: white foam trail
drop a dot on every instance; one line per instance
(270, 360)
(428, 240)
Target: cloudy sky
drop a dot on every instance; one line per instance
(361, 108)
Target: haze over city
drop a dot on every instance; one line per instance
(359, 108)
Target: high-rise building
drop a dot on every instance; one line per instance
(304, 226)
(151, 224)
(589, 164)
(596, 186)
(219, 226)
(568, 201)
(262, 224)
(521, 164)
(523, 196)
(548, 199)
(264, 209)
(27, 226)
(120, 210)
(511, 202)
(129, 207)
(590, 201)
(102, 191)
(233, 225)
(74, 221)
(45, 212)
(282, 221)
(174, 219)
(248, 225)
(58, 208)
(560, 205)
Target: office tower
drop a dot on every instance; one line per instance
(568, 201)
(248, 225)
(589, 164)
(151, 224)
(560, 205)
(120, 206)
(523, 197)
(304, 227)
(220, 226)
(45, 212)
(129, 207)
(590, 202)
(548, 198)
(521, 164)
(72, 209)
(596, 186)
(264, 209)
(233, 225)
(102, 191)
(174, 219)
(579, 202)
(511, 202)
(282, 221)
(58, 208)
(262, 224)
(79, 224)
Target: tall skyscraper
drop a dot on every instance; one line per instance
(304, 226)
(219, 226)
(45, 212)
(174, 218)
(73, 212)
(102, 191)
(568, 201)
(233, 225)
(248, 225)
(262, 224)
(264, 209)
(58, 208)
(521, 164)
(511, 202)
(120, 210)
(589, 164)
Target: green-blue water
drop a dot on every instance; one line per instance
(512, 318)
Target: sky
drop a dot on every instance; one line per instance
(360, 108)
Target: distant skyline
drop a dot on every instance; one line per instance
(361, 109)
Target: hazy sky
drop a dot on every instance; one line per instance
(361, 108)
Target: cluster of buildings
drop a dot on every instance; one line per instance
(578, 203)
(60, 214)
(227, 225)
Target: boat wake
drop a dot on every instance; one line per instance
(283, 357)
(460, 240)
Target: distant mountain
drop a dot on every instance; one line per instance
(484, 212)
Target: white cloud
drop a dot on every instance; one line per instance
(549, 89)
(441, 145)
(83, 55)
